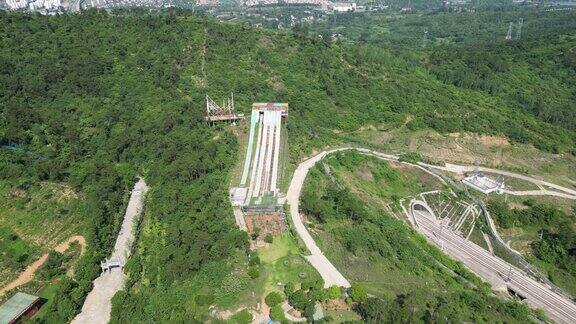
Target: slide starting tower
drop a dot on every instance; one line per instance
(226, 112)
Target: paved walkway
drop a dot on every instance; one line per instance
(98, 306)
(542, 192)
(317, 259)
(239, 217)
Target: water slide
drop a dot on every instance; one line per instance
(263, 151)
(256, 158)
(248, 158)
(277, 125)
(269, 154)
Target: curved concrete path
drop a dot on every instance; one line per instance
(542, 192)
(317, 259)
(98, 303)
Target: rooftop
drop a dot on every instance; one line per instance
(483, 183)
(270, 106)
(16, 306)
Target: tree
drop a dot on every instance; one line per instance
(268, 238)
(298, 299)
(358, 293)
(334, 292)
(372, 310)
(273, 299)
(243, 317)
(309, 310)
(277, 314)
(253, 272)
(289, 288)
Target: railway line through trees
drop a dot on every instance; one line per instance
(486, 265)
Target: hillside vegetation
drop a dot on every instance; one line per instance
(552, 237)
(91, 100)
(373, 248)
(468, 55)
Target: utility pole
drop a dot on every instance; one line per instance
(425, 38)
(509, 34)
(519, 31)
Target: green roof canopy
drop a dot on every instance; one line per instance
(15, 306)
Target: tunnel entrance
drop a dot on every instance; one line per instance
(421, 209)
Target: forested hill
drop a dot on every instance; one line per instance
(95, 98)
(123, 63)
(533, 75)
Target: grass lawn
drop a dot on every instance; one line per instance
(464, 148)
(42, 215)
(560, 277)
(282, 246)
(283, 263)
(381, 277)
(378, 182)
(340, 316)
(47, 292)
(378, 251)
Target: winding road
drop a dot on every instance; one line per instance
(317, 259)
(460, 169)
(491, 268)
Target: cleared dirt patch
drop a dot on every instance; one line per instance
(493, 141)
(271, 223)
(28, 274)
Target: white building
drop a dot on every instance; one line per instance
(17, 4)
(343, 6)
(238, 195)
(484, 184)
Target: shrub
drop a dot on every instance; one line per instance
(411, 157)
(277, 314)
(202, 300)
(242, 317)
(53, 266)
(253, 272)
(254, 259)
(268, 238)
(358, 293)
(273, 299)
(334, 292)
(256, 233)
